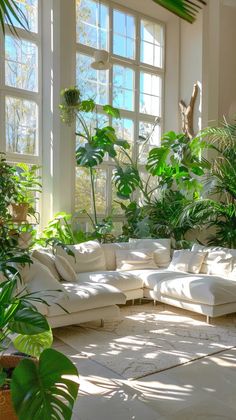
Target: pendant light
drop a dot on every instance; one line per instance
(101, 57)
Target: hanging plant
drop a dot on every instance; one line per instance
(185, 9)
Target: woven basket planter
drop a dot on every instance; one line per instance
(6, 407)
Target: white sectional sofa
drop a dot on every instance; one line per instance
(93, 283)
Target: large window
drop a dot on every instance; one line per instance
(20, 88)
(134, 84)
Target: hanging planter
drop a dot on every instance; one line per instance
(19, 212)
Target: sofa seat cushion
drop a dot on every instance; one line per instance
(198, 288)
(152, 277)
(123, 280)
(82, 297)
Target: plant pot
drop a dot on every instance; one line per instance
(7, 411)
(19, 212)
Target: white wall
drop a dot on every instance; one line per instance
(191, 65)
(227, 61)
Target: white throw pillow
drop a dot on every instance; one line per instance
(214, 255)
(187, 261)
(88, 256)
(138, 259)
(38, 278)
(160, 247)
(65, 269)
(220, 267)
(46, 258)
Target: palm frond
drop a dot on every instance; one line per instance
(185, 9)
(11, 12)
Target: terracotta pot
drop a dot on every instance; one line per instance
(7, 411)
(19, 212)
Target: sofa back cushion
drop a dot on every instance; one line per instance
(187, 261)
(138, 259)
(218, 260)
(88, 256)
(65, 269)
(110, 253)
(38, 278)
(46, 258)
(160, 247)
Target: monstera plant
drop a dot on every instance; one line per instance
(185, 9)
(95, 143)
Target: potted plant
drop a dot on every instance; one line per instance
(48, 384)
(28, 185)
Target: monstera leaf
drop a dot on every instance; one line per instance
(90, 155)
(33, 344)
(156, 163)
(46, 390)
(126, 180)
(185, 9)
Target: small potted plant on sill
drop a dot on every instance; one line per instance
(44, 385)
(28, 186)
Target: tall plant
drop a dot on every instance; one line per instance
(176, 166)
(217, 209)
(97, 142)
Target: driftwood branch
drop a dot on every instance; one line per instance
(187, 113)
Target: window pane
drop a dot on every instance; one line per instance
(21, 126)
(125, 131)
(123, 87)
(21, 64)
(124, 34)
(92, 83)
(92, 27)
(30, 10)
(149, 137)
(150, 94)
(83, 192)
(152, 43)
(93, 121)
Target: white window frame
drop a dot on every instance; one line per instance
(14, 92)
(137, 66)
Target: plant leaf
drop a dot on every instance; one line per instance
(47, 390)
(28, 321)
(33, 344)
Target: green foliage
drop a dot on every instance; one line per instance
(8, 187)
(218, 210)
(45, 390)
(126, 180)
(97, 142)
(10, 12)
(65, 229)
(33, 344)
(184, 9)
(177, 163)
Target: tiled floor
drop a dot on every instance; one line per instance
(201, 390)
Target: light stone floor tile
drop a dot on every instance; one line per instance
(200, 390)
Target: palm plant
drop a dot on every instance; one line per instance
(185, 9)
(218, 209)
(11, 12)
